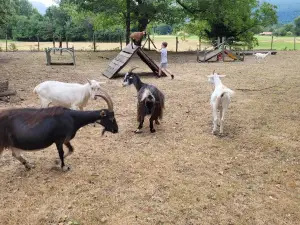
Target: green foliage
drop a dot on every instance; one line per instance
(227, 18)
(197, 27)
(5, 12)
(297, 26)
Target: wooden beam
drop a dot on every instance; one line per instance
(7, 93)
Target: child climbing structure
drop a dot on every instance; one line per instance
(219, 52)
(121, 60)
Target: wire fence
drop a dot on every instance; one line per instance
(175, 43)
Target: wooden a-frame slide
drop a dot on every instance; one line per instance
(118, 63)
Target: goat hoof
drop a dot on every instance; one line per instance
(65, 168)
(138, 131)
(172, 76)
(157, 122)
(57, 161)
(214, 132)
(153, 131)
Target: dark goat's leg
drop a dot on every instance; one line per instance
(60, 150)
(151, 126)
(140, 125)
(157, 122)
(17, 154)
(70, 148)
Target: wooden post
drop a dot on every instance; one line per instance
(295, 42)
(48, 57)
(60, 44)
(38, 39)
(176, 44)
(200, 43)
(94, 41)
(121, 44)
(73, 56)
(6, 43)
(149, 42)
(223, 48)
(67, 41)
(272, 43)
(53, 44)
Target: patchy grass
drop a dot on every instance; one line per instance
(180, 175)
(190, 44)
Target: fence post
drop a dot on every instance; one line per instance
(295, 42)
(200, 43)
(53, 41)
(38, 39)
(6, 43)
(94, 42)
(176, 44)
(67, 41)
(121, 42)
(272, 43)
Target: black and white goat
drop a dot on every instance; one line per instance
(151, 101)
(31, 129)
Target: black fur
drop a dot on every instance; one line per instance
(147, 106)
(33, 129)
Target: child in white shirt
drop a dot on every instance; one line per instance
(164, 60)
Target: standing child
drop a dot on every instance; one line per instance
(164, 60)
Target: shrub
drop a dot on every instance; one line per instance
(12, 47)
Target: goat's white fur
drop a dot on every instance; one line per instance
(220, 100)
(261, 56)
(146, 95)
(69, 95)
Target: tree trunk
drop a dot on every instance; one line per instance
(127, 21)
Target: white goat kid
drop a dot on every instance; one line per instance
(220, 99)
(261, 56)
(69, 95)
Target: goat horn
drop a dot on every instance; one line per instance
(133, 68)
(108, 100)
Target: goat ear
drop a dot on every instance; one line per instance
(89, 81)
(102, 113)
(222, 75)
(209, 76)
(101, 82)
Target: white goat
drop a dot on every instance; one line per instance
(69, 95)
(219, 100)
(260, 56)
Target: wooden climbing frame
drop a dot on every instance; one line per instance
(69, 50)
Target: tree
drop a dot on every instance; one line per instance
(138, 13)
(5, 11)
(227, 18)
(297, 26)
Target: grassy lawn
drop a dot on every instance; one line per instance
(190, 43)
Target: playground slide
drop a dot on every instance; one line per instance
(230, 54)
(210, 55)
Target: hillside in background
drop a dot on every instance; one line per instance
(288, 10)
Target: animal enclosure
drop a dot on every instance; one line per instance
(182, 174)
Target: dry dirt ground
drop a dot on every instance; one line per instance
(182, 174)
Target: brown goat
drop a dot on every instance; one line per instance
(136, 38)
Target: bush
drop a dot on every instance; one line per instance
(12, 47)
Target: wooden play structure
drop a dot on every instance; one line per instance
(5, 92)
(220, 51)
(68, 50)
(124, 57)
